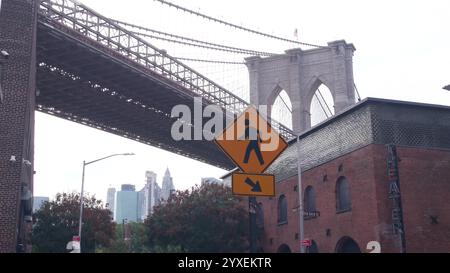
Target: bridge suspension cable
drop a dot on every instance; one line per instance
(186, 43)
(236, 26)
(208, 61)
(318, 100)
(321, 106)
(285, 104)
(357, 92)
(324, 101)
(204, 46)
(209, 44)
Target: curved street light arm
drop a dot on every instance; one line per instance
(93, 161)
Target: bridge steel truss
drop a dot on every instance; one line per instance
(107, 32)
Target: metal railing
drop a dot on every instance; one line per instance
(70, 16)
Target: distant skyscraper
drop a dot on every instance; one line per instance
(211, 180)
(167, 186)
(142, 204)
(128, 187)
(110, 200)
(38, 201)
(157, 192)
(126, 204)
(154, 193)
(149, 195)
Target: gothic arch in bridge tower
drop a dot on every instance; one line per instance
(300, 72)
(317, 95)
(277, 91)
(314, 83)
(272, 96)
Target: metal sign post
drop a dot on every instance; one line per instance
(252, 208)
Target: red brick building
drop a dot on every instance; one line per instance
(18, 73)
(379, 171)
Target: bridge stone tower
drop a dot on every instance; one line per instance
(18, 39)
(300, 72)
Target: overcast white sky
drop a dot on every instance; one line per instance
(403, 52)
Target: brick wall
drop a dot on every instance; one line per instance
(17, 37)
(425, 187)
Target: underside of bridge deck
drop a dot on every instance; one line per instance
(88, 84)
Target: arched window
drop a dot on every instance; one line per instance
(260, 216)
(309, 201)
(343, 201)
(347, 245)
(284, 248)
(282, 210)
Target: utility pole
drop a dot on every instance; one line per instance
(252, 223)
(123, 230)
(300, 197)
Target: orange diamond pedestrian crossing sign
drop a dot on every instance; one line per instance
(250, 142)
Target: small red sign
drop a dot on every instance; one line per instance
(306, 242)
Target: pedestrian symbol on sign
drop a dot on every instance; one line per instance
(250, 142)
(254, 138)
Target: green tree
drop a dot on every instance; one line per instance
(132, 239)
(205, 219)
(57, 221)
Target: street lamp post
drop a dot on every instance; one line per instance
(82, 189)
(300, 197)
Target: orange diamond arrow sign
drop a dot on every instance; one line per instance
(250, 142)
(253, 184)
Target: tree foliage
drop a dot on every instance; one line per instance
(205, 219)
(129, 238)
(57, 221)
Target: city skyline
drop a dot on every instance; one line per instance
(111, 189)
(135, 205)
(146, 180)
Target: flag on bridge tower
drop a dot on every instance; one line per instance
(296, 33)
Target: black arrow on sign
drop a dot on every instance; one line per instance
(256, 187)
